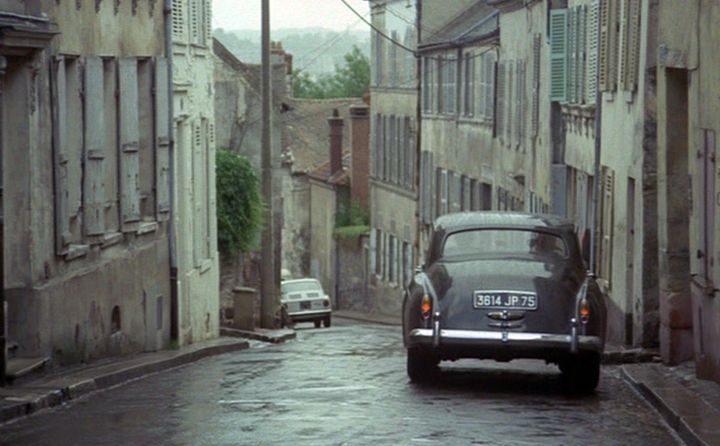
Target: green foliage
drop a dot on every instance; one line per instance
(240, 208)
(351, 80)
(351, 220)
(351, 232)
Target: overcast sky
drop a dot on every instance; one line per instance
(245, 14)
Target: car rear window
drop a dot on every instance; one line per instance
(300, 287)
(504, 241)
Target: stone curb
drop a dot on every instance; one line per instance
(15, 407)
(368, 318)
(259, 336)
(673, 418)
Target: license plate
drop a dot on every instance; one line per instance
(305, 305)
(505, 300)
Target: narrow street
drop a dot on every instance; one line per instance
(346, 385)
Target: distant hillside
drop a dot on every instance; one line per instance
(316, 50)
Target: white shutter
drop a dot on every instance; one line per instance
(572, 44)
(208, 22)
(592, 49)
(94, 178)
(162, 140)
(607, 224)
(129, 143)
(632, 48)
(195, 19)
(178, 20)
(466, 194)
(558, 54)
(199, 174)
(402, 152)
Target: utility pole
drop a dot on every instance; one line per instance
(598, 145)
(268, 300)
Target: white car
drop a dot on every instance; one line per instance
(304, 300)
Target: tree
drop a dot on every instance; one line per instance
(350, 80)
(240, 207)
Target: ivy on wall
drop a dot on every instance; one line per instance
(240, 208)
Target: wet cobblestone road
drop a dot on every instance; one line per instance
(346, 385)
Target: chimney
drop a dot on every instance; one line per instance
(336, 137)
(360, 154)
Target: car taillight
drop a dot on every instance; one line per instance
(426, 306)
(584, 311)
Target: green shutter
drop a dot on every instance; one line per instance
(558, 54)
(592, 48)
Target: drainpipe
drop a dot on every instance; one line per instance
(598, 131)
(418, 133)
(172, 243)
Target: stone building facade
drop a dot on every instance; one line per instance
(393, 154)
(688, 111)
(195, 221)
(86, 192)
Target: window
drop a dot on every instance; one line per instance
(488, 242)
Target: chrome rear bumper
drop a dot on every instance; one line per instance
(501, 340)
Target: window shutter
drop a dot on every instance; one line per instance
(385, 149)
(466, 194)
(520, 105)
(572, 45)
(558, 54)
(162, 140)
(392, 149)
(490, 86)
(580, 69)
(373, 250)
(632, 48)
(396, 258)
(592, 52)
(607, 226)
(500, 101)
(381, 147)
(129, 143)
(62, 208)
(198, 193)
(195, 31)
(608, 45)
(208, 22)
(94, 178)
(411, 152)
(401, 151)
(377, 155)
(178, 20)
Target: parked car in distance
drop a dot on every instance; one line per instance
(304, 300)
(505, 285)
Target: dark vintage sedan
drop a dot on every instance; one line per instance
(503, 286)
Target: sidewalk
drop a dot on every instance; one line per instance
(70, 383)
(691, 406)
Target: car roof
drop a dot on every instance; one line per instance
(305, 279)
(480, 219)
